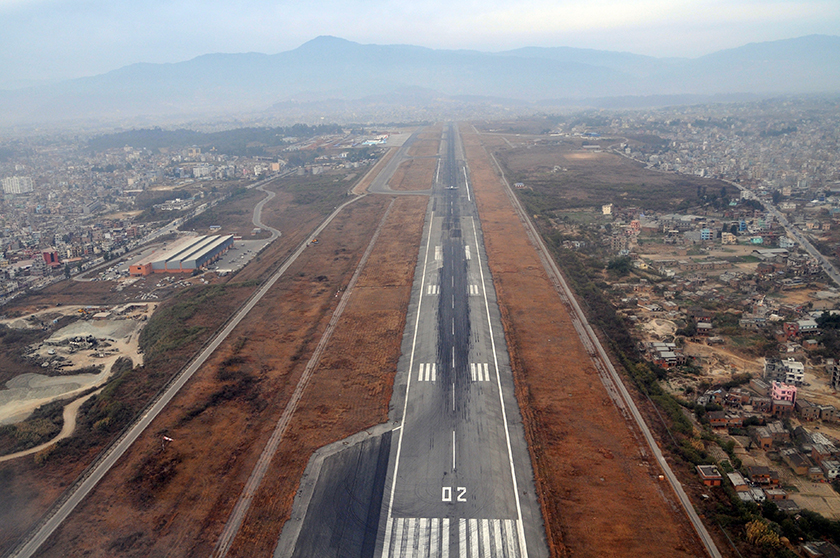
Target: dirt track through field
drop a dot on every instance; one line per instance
(598, 488)
(244, 503)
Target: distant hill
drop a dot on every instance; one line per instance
(335, 70)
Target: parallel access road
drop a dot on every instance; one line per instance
(77, 493)
(460, 481)
(609, 376)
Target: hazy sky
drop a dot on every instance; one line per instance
(57, 39)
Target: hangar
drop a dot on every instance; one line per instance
(185, 256)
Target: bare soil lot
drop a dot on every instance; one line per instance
(427, 143)
(598, 490)
(234, 216)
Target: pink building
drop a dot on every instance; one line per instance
(783, 392)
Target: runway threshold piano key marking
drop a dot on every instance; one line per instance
(421, 537)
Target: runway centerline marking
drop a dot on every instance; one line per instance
(453, 450)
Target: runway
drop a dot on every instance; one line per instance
(459, 480)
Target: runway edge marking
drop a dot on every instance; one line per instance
(386, 547)
(521, 529)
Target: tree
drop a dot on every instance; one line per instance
(777, 196)
(620, 266)
(67, 271)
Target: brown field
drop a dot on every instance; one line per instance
(592, 179)
(414, 174)
(29, 489)
(174, 500)
(355, 375)
(425, 147)
(599, 494)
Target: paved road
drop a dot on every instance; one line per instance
(380, 183)
(459, 481)
(257, 220)
(800, 237)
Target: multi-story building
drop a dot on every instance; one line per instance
(782, 392)
(833, 370)
(788, 371)
(18, 185)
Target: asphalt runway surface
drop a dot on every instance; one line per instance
(458, 480)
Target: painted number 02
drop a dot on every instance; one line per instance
(461, 492)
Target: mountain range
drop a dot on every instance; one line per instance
(329, 70)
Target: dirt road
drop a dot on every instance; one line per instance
(67, 428)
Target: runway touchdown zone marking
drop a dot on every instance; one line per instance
(427, 372)
(479, 372)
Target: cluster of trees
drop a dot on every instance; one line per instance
(239, 141)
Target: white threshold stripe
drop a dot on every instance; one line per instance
(511, 543)
(398, 543)
(444, 540)
(485, 537)
(385, 547)
(409, 547)
(522, 544)
(497, 536)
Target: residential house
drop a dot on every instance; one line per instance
(831, 468)
(798, 463)
(775, 494)
(738, 481)
(807, 410)
(710, 475)
(828, 413)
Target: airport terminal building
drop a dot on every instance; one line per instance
(184, 256)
